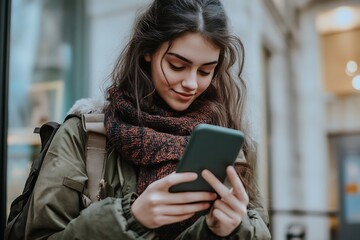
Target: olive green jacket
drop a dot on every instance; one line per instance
(57, 210)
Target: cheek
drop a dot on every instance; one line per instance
(203, 85)
(163, 75)
(172, 77)
(157, 75)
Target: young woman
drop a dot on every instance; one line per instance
(175, 72)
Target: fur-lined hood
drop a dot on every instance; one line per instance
(88, 105)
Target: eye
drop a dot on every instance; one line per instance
(204, 73)
(176, 68)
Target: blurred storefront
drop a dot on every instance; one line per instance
(301, 66)
(47, 68)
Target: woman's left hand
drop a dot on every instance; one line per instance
(228, 211)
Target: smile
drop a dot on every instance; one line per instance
(184, 96)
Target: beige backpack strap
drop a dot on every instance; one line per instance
(96, 152)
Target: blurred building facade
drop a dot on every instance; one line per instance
(301, 61)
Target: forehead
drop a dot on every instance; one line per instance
(195, 47)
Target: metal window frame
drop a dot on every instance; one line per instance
(5, 12)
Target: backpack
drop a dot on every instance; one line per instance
(95, 160)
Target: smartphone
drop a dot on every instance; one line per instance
(210, 147)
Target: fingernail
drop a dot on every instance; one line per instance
(205, 172)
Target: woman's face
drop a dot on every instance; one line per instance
(185, 71)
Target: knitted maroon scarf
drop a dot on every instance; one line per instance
(155, 144)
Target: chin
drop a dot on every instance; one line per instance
(179, 107)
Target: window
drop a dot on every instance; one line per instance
(46, 75)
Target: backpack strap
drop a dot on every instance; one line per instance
(93, 124)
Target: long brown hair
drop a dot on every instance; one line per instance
(164, 21)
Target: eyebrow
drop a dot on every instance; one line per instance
(188, 61)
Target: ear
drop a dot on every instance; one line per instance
(147, 57)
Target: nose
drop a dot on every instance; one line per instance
(190, 81)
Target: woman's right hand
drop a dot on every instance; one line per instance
(156, 206)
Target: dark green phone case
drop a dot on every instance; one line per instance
(210, 147)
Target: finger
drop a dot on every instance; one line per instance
(237, 185)
(176, 178)
(225, 220)
(183, 209)
(220, 216)
(237, 213)
(218, 186)
(190, 197)
(225, 193)
(225, 208)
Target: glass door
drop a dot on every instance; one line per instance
(46, 67)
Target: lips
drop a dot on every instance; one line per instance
(184, 96)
